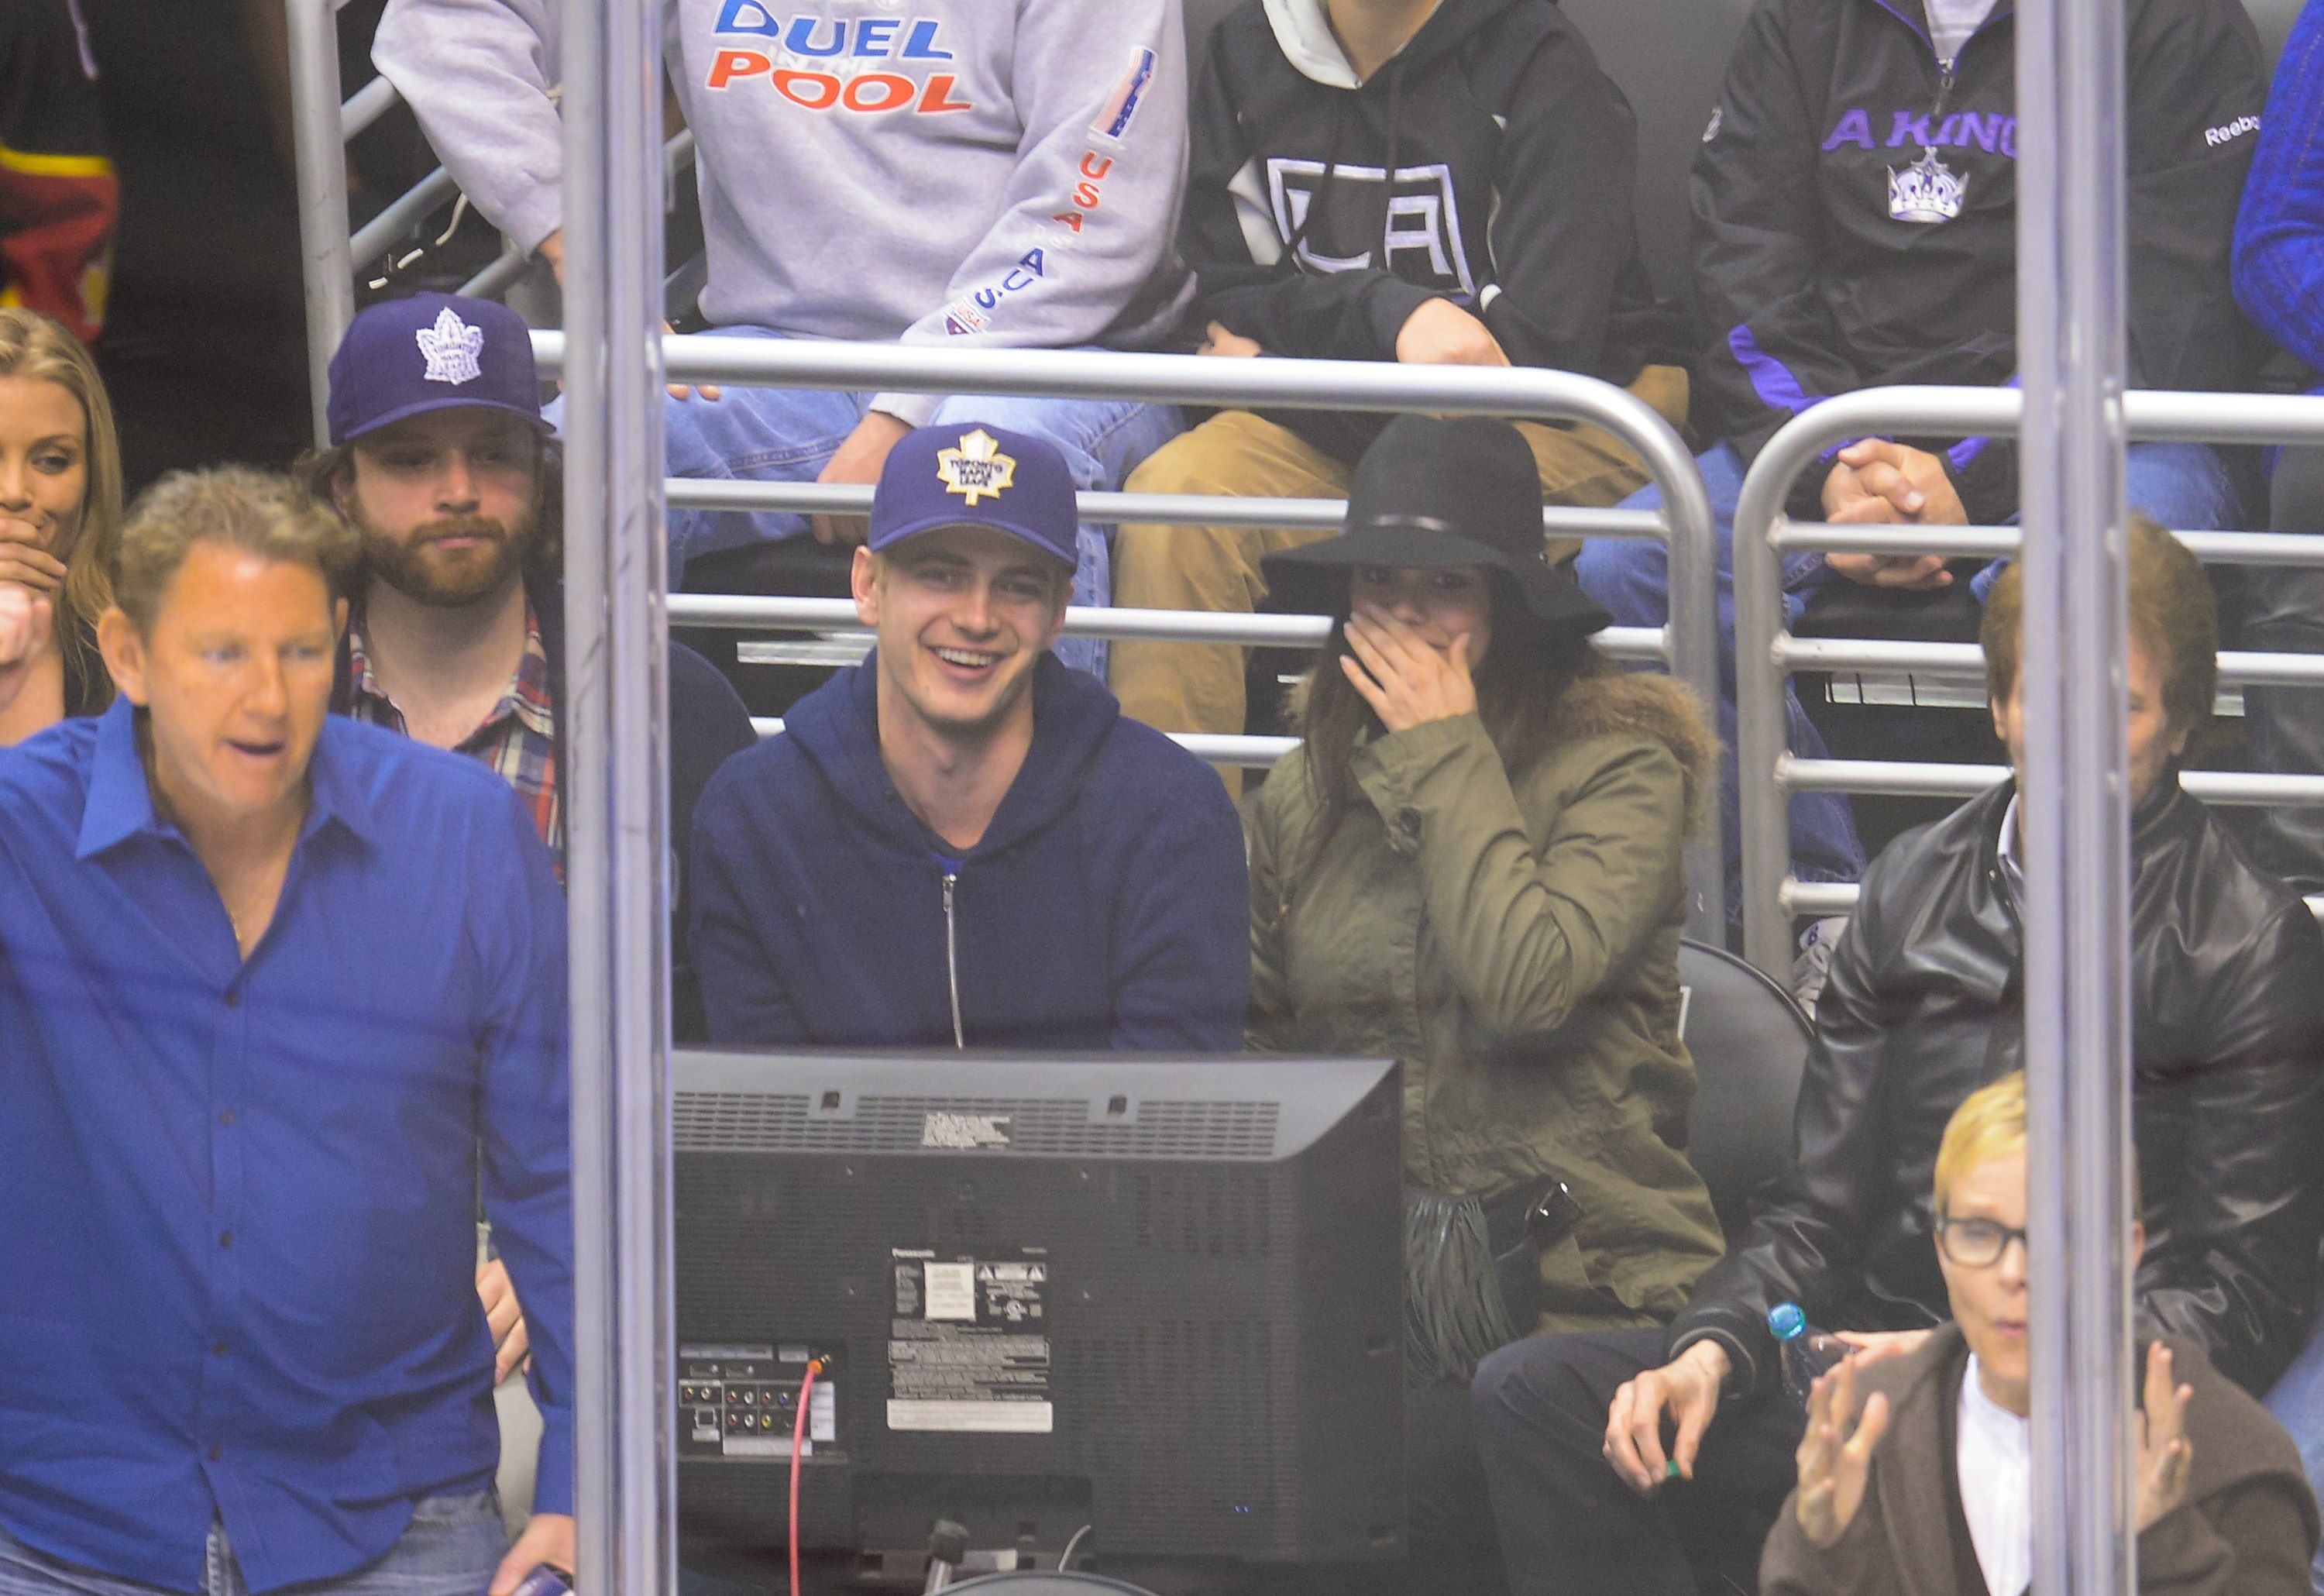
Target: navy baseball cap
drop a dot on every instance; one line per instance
(968, 473)
(432, 351)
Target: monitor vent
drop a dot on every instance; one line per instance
(1175, 1389)
(1204, 1212)
(770, 1122)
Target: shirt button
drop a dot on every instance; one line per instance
(1407, 821)
(226, 1239)
(226, 1118)
(216, 1453)
(218, 1349)
(233, 1000)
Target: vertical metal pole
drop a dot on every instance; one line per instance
(1761, 735)
(617, 823)
(1692, 562)
(2074, 803)
(314, 33)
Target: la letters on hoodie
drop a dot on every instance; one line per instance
(948, 171)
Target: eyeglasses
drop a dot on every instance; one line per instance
(1976, 1243)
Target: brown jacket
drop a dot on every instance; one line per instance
(2248, 1527)
(1516, 944)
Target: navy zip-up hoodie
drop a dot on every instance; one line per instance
(1107, 905)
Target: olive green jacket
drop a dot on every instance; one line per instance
(1517, 947)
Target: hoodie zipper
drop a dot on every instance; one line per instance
(952, 959)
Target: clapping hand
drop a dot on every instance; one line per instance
(1408, 681)
(2165, 1455)
(1835, 1456)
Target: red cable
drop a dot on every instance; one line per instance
(798, 1440)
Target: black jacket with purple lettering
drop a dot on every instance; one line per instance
(1515, 158)
(1855, 209)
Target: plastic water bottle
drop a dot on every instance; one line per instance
(1806, 1351)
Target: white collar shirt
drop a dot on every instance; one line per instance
(1995, 1461)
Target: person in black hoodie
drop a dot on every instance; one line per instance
(1855, 208)
(1504, 236)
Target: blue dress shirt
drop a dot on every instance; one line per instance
(238, 1254)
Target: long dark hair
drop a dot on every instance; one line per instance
(1526, 669)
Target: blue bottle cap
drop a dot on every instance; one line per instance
(1786, 1320)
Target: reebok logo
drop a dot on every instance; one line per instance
(2216, 136)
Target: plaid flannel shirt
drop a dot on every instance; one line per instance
(517, 738)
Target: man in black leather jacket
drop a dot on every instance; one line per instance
(1591, 1490)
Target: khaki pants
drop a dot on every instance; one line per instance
(1199, 686)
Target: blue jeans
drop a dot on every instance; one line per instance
(2184, 486)
(2297, 1401)
(452, 1547)
(790, 435)
(1632, 577)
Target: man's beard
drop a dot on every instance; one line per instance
(415, 566)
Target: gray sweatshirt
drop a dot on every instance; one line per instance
(1005, 172)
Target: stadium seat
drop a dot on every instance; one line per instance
(1751, 1045)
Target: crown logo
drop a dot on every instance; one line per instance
(977, 469)
(1925, 191)
(451, 346)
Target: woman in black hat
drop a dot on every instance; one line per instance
(1474, 865)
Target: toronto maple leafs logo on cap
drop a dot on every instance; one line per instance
(1928, 191)
(451, 346)
(976, 468)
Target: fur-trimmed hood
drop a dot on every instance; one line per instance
(1617, 702)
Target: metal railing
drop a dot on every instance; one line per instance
(331, 255)
(1687, 644)
(1767, 654)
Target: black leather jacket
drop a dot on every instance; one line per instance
(1924, 1006)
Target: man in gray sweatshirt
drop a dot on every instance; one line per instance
(951, 171)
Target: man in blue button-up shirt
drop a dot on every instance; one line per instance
(271, 986)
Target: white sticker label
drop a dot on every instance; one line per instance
(823, 1413)
(952, 1291)
(1015, 1418)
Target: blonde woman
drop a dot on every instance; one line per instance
(59, 504)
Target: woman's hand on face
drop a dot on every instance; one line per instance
(26, 563)
(1407, 681)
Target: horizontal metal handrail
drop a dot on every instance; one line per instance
(1224, 510)
(2238, 549)
(1248, 753)
(1816, 899)
(1965, 662)
(837, 617)
(1904, 779)
(1522, 392)
(1764, 650)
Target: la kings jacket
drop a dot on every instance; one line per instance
(1515, 158)
(1855, 214)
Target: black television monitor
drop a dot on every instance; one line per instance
(1157, 1297)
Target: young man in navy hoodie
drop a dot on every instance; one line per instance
(960, 842)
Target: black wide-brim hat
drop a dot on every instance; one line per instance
(1431, 491)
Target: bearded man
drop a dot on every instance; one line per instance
(439, 459)
(441, 463)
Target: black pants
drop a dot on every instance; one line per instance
(1454, 1549)
(2284, 726)
(1569, 1525)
